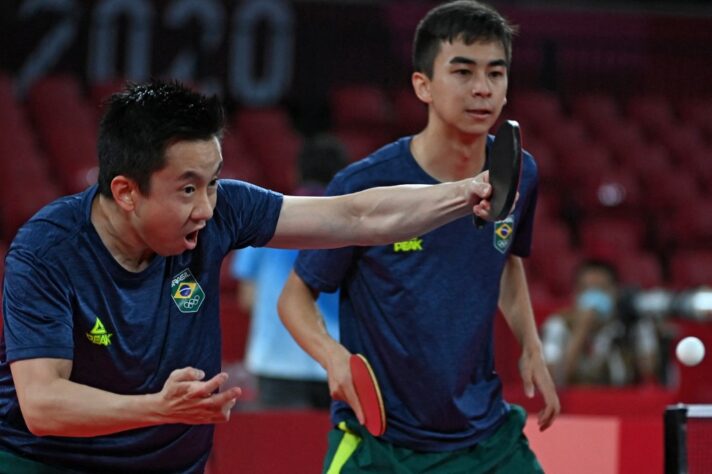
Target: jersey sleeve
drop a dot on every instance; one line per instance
(522, 244)
(37, 310)
(322, 269)
(249, 213)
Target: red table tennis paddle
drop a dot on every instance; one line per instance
(369, 395)
(505, 163)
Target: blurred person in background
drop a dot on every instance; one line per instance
(287, 377)
(596, 342)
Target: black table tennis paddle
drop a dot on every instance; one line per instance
(505, 163)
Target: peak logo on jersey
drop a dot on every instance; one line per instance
(414, 244)
(503, 231)
(186, 292)
(99, 335)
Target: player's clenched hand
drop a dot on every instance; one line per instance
(534, 372)
(341, 385)
(480, 191)
(186, 398)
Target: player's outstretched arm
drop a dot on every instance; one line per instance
(51, 404)
(378, 216)
(300, 315)
(517, 309)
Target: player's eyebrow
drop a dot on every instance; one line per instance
(191, 175)
(470, 61)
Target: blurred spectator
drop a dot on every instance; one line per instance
(287, 377)
(595, 342)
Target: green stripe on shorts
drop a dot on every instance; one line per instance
(346, 447)
(352, 449)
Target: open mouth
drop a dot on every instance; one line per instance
(192, 239)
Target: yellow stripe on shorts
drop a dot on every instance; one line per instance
(346, 448)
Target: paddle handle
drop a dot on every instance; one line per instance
(478, 221)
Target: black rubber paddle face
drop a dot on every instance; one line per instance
(505, 162)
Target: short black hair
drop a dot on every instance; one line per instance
(597, 264)
(143, 120)
(467, 20)
(320, 159)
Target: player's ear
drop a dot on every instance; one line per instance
(421, 86)
(123, 190)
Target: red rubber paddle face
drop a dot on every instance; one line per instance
(369, 395)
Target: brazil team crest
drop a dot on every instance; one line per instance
(186, 292)
(503, 233)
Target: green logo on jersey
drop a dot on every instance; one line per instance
(99, 335)
(186, 292)
(503, 232)
(409, 245)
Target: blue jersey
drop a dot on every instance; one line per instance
(422, 310)
(66, 297)
(271, 350)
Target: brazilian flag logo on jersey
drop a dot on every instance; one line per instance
(503, 233)
(186, 292)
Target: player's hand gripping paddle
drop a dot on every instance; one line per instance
(369, 395)
(505, 162)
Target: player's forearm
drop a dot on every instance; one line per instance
(516, 305)
(382, 216)
(300, 315)
(374, 216)
(66, 408)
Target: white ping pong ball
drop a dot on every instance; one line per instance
(690, 351)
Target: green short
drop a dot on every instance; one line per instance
(352, 449)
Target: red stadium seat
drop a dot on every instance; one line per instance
(360, 107)
(256, 120)
(411, 115)
(620, 136)
(566, 138)
(682, 142)
(550, 237)
(595, 110)
(238, 162)
(536, 110)
(640, 269)
(72, 154)
(699, 162)
(666, 192)
(99, 93)
(584, 163)
(609, 193)
(653, 113)
(359, 144)
(548, 205)
(278, 157)
(691, 268)
(646, 160)
(697, 113)
(269, 135)
(545, 158)
(556, 269)
(610, 237)
(691, 226)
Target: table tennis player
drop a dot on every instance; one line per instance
(110, 356)
(421, 310)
